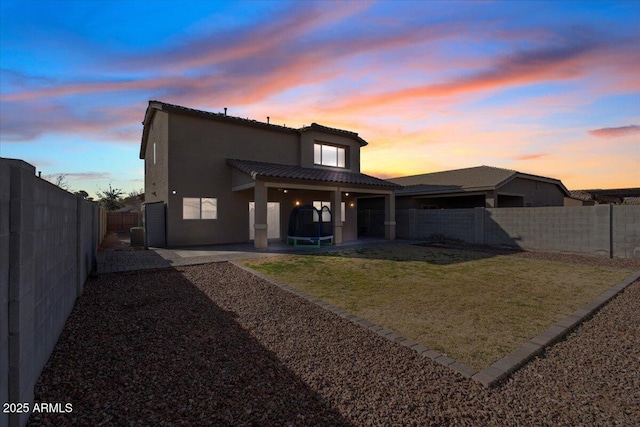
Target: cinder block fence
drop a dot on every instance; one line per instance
(48, 243)
(602, 230)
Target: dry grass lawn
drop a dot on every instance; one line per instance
(475, 307)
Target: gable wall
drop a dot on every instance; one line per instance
(199, 150)
(156, 178)
(538, 193)
(308, 138)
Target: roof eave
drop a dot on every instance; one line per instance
(221, 117)
(347, 134)
(445, 192)
(256, 175)
(268, 178)
(148, 116)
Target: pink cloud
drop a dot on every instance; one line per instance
(545, 64)
(82, 88)
(530, 156)
(598, 63)
(214, 49)
(22, 121)
(269, 58)
(278, 56)
(616, 132)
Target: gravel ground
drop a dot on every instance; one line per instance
(214, 345)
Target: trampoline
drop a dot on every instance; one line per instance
(310, 226)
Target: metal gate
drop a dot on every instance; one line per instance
(154, 224)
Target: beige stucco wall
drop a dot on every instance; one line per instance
(308, 138)
(538, 193)
(155, 177)
(199, 150)
(569, 201)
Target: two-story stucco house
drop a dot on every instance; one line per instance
(211, 178)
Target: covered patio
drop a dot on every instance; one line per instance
(293, 186)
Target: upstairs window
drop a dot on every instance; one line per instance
(329, 155)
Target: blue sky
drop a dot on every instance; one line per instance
(548, 88)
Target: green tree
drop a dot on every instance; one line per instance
(135, 195)
(111, 198)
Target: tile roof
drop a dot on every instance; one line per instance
(335, 131)
(164, 106)
(218, 116)
(479, 178)
(291, 172)
(580, 195)
(620, 193)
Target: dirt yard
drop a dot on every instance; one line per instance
(214, 345)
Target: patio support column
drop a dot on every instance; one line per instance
(390, 216)
(491, 199)
(260, 225)
(336, 203)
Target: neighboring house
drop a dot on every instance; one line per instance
(578, 198)
(613, 196)
(482, 186)
(213, 179)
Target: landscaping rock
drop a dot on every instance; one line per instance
(215, 345)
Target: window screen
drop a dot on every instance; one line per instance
(199, 208)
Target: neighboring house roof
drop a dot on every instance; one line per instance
(291, 172)
(618, 193)
(480, 178)
(632, 200)
(580, 195)
(223, 117)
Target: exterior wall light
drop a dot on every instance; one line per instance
(297, 203)
(173, 192)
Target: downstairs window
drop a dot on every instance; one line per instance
(199, 208)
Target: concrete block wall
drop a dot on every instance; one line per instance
(102, 227)
(21, 286)
(5, 215)
(56, 267)
(580, 229)
(48, 242)
(625, 231)
(600, 230)
(90, 235)
(453, 223)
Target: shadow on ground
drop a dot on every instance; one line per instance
(149, 348)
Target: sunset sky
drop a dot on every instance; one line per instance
(547, 88)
